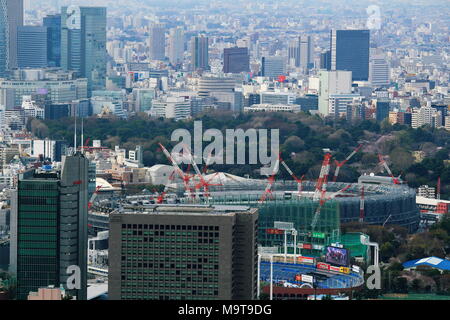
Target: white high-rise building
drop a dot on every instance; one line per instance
(176, 46)
(379, 71)
(332, 83)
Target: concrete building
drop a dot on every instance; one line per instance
(60, 87)
(157, 42)
(183, 252)
(176, 46)
(273, 108)
(332, 83)
(379, 72)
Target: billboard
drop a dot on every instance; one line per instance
(337, 256)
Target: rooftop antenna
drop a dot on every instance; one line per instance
(82, 135)
(75, 137)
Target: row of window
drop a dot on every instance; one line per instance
(169, 227)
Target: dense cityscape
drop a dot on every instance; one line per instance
(134, 161)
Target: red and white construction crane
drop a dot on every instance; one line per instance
(94, 195)
(321, 184)
(340, 164)
(183, 176)
(323, 200)
(384, 164)
(202, 183)
(271, 180)
(299, 181)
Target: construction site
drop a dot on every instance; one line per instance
(316, 209)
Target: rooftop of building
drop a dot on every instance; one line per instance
(185, 209)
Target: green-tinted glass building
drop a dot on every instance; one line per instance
(37, 243)
(83, 43)
(49, 227)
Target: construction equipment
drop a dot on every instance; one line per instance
(271, 180)
(323, 200)
(323, 177)
(299, 181)
(384, 164)
(203, 183)
(94, 195)
(184, 177)
(340, 164)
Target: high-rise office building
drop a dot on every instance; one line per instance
(49, 227)
(236, 60)
(179, 252)
(3, 39)
(200, 53)
(272, 67)
(176, 46)
(32, 44)
(157, 42)
(301, 52)
(83, 43)
(350, 52)
(306, 52)
(53, 24)
(379, 71)
(325, 60)
(332, 83)
(11, 17)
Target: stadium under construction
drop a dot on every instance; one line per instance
(383, 203)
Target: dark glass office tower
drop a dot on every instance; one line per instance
(382, 111)
(49, 227)
(83, 44)
(53, 24)
(32, 47)
(236, 60)
(200, 53)
(350, 52)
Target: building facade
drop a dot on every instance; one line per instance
(49, 227)
(176, 252)
(83, 44)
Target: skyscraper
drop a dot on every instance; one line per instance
(4, 34)
(236, 60)
(53, 24)
(176, 46)
(183, 253)
(301, 52)
(11, 17)
(379, 71)
(32, 46)
(49, 227)
(350, 52)
(83, 43)
(200, 53)
(157, 42)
